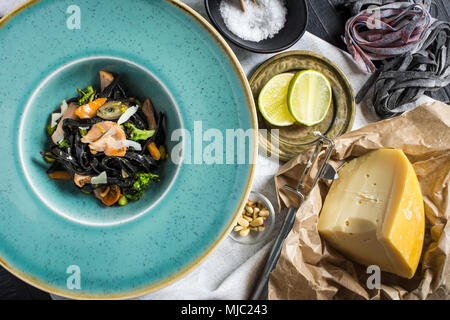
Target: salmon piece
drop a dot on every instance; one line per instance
(88, 110)
(97, 131)
(106, 79)
(149, 112)
(111, 143)
(58, 135)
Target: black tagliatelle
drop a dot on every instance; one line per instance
(107, 142)
(401, 81)
(402, 78)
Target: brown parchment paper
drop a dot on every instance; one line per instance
(309, 268)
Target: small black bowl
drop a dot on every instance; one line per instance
(293, 30)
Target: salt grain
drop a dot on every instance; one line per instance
(258, 22)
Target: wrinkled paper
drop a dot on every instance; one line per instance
(309, 268)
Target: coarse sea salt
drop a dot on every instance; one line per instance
(259, 22)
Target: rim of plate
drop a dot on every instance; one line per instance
(27, 173)
(196, 17)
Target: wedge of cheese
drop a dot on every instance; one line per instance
(374, 212)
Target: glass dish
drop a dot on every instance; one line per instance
(255, 237)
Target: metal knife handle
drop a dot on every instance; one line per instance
(260, 290)
(325, 171)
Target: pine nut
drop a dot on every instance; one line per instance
(257, 222)
(252, 218)
(243, 222)
(244, 232)
(264, 213)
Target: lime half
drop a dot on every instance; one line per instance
(309, 97)
(272, 100)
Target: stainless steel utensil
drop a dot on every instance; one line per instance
(326, 171)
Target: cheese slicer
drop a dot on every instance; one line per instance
(326, 171)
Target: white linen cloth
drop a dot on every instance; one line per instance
(8, 5)
(230, 270)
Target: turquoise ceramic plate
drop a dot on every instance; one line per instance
(49, 230)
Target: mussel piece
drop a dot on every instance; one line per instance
(81, 180)
(111, 110)
(101, 191)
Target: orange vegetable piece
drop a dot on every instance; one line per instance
(154, 151)
(60, 175)
(112, 196)
(89, 110)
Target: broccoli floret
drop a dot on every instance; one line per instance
(64, 144)
(140, 185)
(50, 129)
(86, 96)
(136, 134)
(83, 132)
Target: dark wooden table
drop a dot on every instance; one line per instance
(326, 21)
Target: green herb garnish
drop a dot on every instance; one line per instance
(140, 185)
(136, 134)
(50, 129)
(64, 144)
(83, 132)
(86, 96)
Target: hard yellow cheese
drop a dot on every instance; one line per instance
(374, 212)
